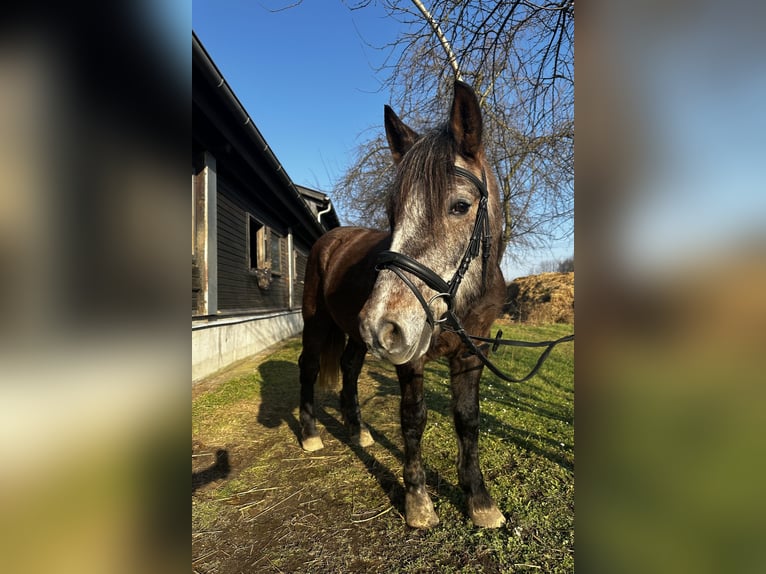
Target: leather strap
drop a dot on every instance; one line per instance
(393, 259)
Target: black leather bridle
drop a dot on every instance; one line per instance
(480, 237)
(480, 240)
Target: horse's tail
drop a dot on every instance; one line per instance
(329, 359)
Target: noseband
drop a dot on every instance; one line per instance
(399, 263)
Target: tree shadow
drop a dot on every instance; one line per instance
(532, 404)
(503, 428)
(517, 436)
(556, 384)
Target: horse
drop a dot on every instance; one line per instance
(388, 292)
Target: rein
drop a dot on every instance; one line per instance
(399, 263)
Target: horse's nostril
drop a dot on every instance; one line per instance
(389, 335)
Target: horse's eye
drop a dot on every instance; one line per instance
(460, 207)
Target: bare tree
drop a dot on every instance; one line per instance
(360, 193)
(545, 266)
(566, 266)
(518, 55)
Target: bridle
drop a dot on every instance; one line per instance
(447, 290)
(480, 240)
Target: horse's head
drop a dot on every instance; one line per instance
(432, 210)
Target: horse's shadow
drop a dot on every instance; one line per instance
(279, 395)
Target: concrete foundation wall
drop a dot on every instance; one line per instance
(217, 344)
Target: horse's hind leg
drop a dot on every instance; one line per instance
(351, 365)
(465, 374)
(309, 367)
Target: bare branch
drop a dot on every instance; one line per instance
(283, 8)
(440, 35)
(519, 57)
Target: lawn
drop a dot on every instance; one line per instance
(267, 506)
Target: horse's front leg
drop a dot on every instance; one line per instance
(465, 377)
(351, 365)
(419, 510)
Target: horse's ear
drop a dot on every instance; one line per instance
(400, 136)
(465, 120)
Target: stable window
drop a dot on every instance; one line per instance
(264, 251)
(256, 244)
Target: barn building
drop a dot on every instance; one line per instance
(252, 229)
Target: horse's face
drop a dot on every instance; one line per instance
(432, 213)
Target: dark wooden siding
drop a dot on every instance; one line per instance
(196, 287)
(238, 288)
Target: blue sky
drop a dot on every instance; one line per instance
(307, 76)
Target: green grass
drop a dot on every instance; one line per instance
(338, 510)
(527, 455)
(245, 390)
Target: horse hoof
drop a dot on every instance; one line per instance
(419, 511)
(312, 443)
(363, 439)
(489, 517)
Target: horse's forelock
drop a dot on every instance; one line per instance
(423, 177)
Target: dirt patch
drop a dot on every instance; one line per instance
(541, 299)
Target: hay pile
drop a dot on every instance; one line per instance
(541, 299)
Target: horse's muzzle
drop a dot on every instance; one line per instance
(393, 325)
